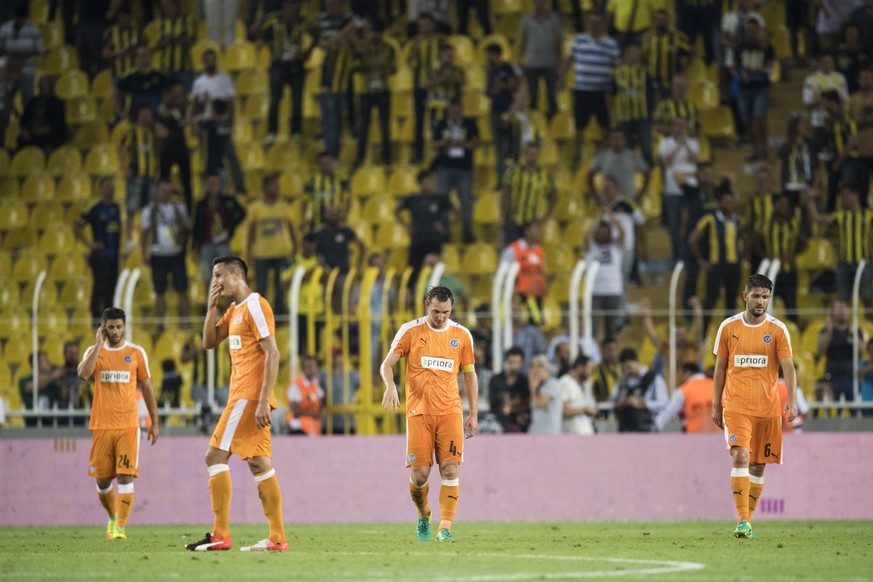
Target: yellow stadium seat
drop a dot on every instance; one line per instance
(479, 259)
(13, 214)
(47, 216)
(240, 56)
(776, 72)
(59, 60)
(780, 38)
(9, 295)
(562, 127)
(403, 181)
(170, 345)
(819, 254)
(29, 265)
(52, 321)
(9, 186)
(65, 160)
(495, 38)
(504, 7)
(379, 209)
(71, 84)
(257, 107)
(119, 132)
(27, 161)
(52, 33)
(560, 258)
(717, 122)
(81, 110)
(253, 82)
(392, 235)
(57, 240)
(38, 188)
(4, 161)
(465, 54)
(573, 233)
(451, 257)
(16, 322)
(486, 209)
(550, 232)
(20, 238)
(282, 157)
(74, 187)
(102, 159)
(102, 86)
(38, 11)
(368, 181)
(91, 134)
(475, 103)
(291, 184)
(251, 157)
(67, 268)
(202, 46)
(704, 94)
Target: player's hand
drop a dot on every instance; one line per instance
(101, 335)
(263, 414)
(471, 426)
(391, 400)
(153, 433)
(717, 415)
(791, 409)
(214, 295)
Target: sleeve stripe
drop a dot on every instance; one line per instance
(145, 357)
(403, 329)
(718, 336)
(787, 335)
(258, 315)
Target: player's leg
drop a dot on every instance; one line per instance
(450, 453)
(101, 466)
(106, 494)
(766, 447)
(738, 434)
(419, 457)
(756, 486)
(127, 468)
(271, 499)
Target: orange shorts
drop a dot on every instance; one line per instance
(114, 452)
(238, 433)
(426, 433)
(762, 435)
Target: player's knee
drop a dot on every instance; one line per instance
(449, 470)
(420, 475)
(260, 465)
(740, 456)
(125, 479)
(214, 456)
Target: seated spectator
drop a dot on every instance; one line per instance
(546, 402)
(608, 289)
(632, 111)
(305, 398)
(327, 186)
(753, 62)
(337, 31)
(666, 53)
(579, 406)
(427, 217)
(622, 163)
(639, 394)
(20, 42)
(526, 336)
(837, 344)
(691, 402)
(47, 392)
(509, 393)
(138, 156)
(43, 123)
(865, 374)
(342, 385)
(530, 283)
(171, 384)
(142, 86)
(216, 218)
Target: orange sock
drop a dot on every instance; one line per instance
(125, 503)
(419, 497)
(220, 489)
(740, 487)
(756, 485)
(271, 499)
(448, 502)
(107, 499)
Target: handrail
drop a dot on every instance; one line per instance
(293, 319)
(772, 274)
(496, 322)
(34, 336)
(591, 274)
(119, 287)
(575, 280)
(856, 296)
(128, 302)
(508, 288)
(674, 287)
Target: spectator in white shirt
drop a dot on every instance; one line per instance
(608, 289)
(546, 399)
(678, 155)
(578, 398)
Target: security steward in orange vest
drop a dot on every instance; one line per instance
(305, 400)
(530, 283)
(692, 402)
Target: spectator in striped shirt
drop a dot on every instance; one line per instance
(593, 55)
(20, 42)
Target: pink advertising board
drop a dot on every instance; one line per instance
(509, 477)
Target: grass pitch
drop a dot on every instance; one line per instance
(485, 552)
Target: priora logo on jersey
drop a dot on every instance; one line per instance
(750, 361)
(454, 343)
(235, 342)
(768, 339)
(128, 359)
(114, 376)
(432, 363)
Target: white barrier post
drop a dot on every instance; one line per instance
(436, 274)
(128, 302)
(763, 267)
(856, 296)
(772, 273)
(674, 287)
(587, 330)
(119, 288)
(496, 336)
(575, 280)
(293, 312)
(34, 336)
(508, 288)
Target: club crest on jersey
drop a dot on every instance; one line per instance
(238, 319)
(768, 339)
(411, 458)
(733, 438)
(128, 359)
(454, 343)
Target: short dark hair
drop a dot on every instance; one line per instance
(494, 48)
(581, 360)
(269, 178)
(309, 237)
(421, 175)
(425, 15)
(440, 294)
(721, 192)
(513, 351)
(69, 343)
(759, 281)
(628, 355)
(691, 367)
(113, 313)
(832, 95)
(234, 262)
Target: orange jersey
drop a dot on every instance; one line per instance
(116, 374)
(247, 324)
(434, 357)
(752, 353)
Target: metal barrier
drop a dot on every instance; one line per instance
(34, 336)
(496, 320)
(674, 287)
(856, 308)
(575, 281)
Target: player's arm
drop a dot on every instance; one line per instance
(471, 387)
(718, 379)
(790, 375)
(649, 325)
(86, 366)
(263, 414)
(391, 400)
(151, 402)
(213, 334)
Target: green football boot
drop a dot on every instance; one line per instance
(445, 535)
(422, 529)
(744, 530)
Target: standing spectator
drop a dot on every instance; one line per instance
(540, 49)
(851, 57)
(676, 106)
(333, 241)
(335, 38)
(733, 34)
(607, 372)
(305, 398)
(213, 97)
(832, 16)
(455, 138)
(759, 210)
(141, 86)
(47, 391)
(93, 18)
(840, 149)
(666, 53)
(271, 240)
(700, 18)
(104, 218)
(527, 194)
(171, 384)
(436, 10)
(546, 402)
(865, 374)
(291, 43)
(798, 160)
(43, 123)
(783, 240)
(165, 227)
(138, 156)
(509, 393)
(120, 42)
(376, 64)
(855, 231)
(621, 164)
(824, 78)
(860, 109)
(522, 129)
(632, 88)
(445, 83)
(20, 42)
(423, 57)
(326, 187)
(753, 62)
(220, 17)
(608, 290)
(692, 402)
(503, 81)
(462, 10)
(216, 218)
(342, 385)
(722, 265)
(639, 394)
(527, 336)
(677, 154)
(593, 55)
(700, 201)
(173, 146)
(530, 283)
(177, 33)
(631, 20)
(579, 406)
(428, 221)
(837, 344)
